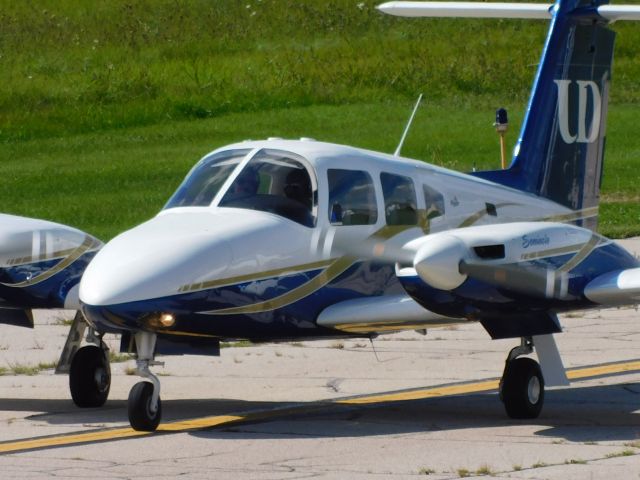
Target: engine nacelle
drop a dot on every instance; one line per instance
(437, 262)
(497, 254)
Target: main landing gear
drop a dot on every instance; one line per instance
(88, 366)
(144, 406)
(522, 384)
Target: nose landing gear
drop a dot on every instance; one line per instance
(144, 406)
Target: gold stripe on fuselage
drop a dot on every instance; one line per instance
(334, 268)
(338, 266)
(572, 216)
(584, 252)
(472, 219)
(254, 277)
(552, 252)
(88, 244)
(39, 258)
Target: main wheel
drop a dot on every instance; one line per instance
(89, 377)
(141, 417)
(523, 388)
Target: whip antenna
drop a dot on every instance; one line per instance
(406, 129)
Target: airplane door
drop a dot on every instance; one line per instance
(352, 207)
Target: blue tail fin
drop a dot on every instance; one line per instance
(561, 145)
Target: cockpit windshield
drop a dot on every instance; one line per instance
(277, 182)
(205, 180)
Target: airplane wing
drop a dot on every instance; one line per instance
(534, 269)
(386, 313)
(16, 316)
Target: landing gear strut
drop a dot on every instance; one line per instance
(522, 384)
(144, 406)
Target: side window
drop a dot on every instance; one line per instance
(400, 205)
(352, 198)
(434, 202)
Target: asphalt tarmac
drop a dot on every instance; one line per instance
(407, 406)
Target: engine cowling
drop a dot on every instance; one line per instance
(437, 262)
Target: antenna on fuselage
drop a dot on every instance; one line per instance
(406, 129)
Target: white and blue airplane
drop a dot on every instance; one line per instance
(299, 239)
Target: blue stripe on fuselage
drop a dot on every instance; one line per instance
(49, 293)
(294, 320)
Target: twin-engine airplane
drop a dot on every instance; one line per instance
(289, 239)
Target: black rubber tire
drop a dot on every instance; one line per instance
(140, 416)
(89, 377)
(523, 388)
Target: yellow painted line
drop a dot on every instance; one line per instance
(200, 423)
(484, 386)
(598, 370)
(72, 439)
(221, 420)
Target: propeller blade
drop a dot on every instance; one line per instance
(375, 249)
(517, 278)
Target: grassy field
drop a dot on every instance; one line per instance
(104, 106)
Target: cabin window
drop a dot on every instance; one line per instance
(205, 180)
(434, 202)
(352, 198)
(276, 182)
(400, 205)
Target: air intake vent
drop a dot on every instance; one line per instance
(490, 252)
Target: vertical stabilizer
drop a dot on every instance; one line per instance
(560, 150)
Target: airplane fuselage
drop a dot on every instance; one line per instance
(264, 268)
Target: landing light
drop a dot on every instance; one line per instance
(167, 319)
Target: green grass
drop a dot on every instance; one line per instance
(484, 470)
(621, 453)
(106, 182)
(237, 344)
(119, 357)
(20, 369)
(64, 322)
(106, 105)
(426, 471)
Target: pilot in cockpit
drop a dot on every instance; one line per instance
(245, 185)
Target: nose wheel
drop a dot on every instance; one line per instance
(90, 377)
(144, 406)
(522, 385)
(143, 415)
